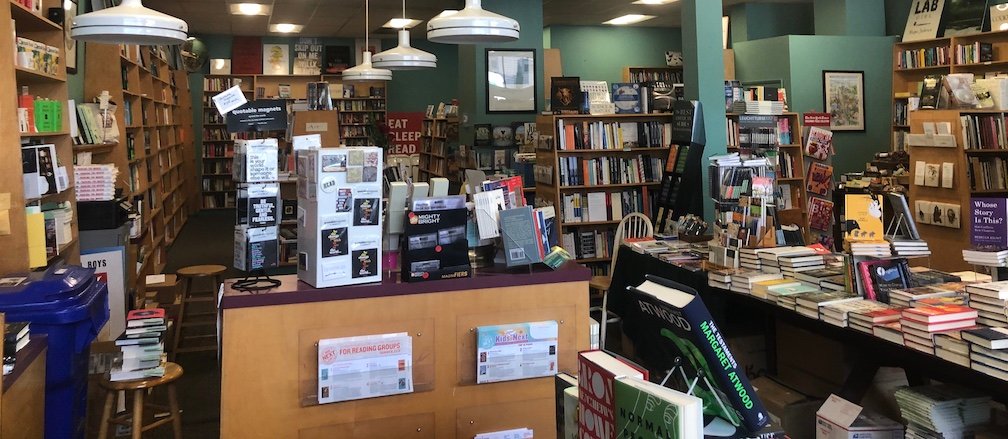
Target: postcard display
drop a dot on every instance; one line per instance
(258, 206)
(339, 216)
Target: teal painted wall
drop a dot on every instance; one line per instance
(896, 13)
(599, 53)
(764, 60)
(754, 21)
(849, 17)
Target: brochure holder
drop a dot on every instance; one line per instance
(434, 246)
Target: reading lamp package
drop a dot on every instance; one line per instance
(339, 216)
(434, 245)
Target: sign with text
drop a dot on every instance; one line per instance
(988, 217)
(813, 119)
(404, 128)
(259, 115)
(924, 19)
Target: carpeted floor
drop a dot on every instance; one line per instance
(207, 238)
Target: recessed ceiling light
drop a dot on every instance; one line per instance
(654, 2)
(285, 28)
(249, 9)
(629, 19)
(401, 23)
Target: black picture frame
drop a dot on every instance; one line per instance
(71, 46)
(844, 99)
(511, 81)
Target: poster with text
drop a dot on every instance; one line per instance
(404, 129)
(308, 56)
(109, 266)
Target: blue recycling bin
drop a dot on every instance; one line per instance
(70, 306)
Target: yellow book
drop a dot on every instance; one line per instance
(36, 239)
(863, 218)
(759, 289)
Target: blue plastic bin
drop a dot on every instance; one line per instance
(70, 306)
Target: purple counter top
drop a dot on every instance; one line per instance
(292, 291)
(24, 358)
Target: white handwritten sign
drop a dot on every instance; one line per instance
(229, 99)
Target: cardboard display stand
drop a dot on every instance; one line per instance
(339, 216)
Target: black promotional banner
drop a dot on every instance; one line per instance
(258, 115)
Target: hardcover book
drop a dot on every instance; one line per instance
(626, 97)
(680, 332)
(820, 179)
(819, 144)
(863, 218)
(988, 219)
(650, 411)
(820, 214)
(597, 373)
(930, 91)
(990, 338)
(565, 94)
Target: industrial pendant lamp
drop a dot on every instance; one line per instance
(364, 71)
(471, 25)
(129, 23)
(404, 57)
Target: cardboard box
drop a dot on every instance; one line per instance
(841, 419)
(792, 410)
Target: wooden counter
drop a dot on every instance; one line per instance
(269, 355)
(23, 397)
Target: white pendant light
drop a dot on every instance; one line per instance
(129, 23)
(403, 56)
(472, 25)
(364, 71)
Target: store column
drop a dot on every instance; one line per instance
(704, 76)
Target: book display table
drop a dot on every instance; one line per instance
(269, 355)
(865, 352)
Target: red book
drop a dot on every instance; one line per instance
(597, 371)
(883, 315)
(938, 327)
(940, 313)
(152, 313)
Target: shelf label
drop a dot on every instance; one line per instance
(317, 127)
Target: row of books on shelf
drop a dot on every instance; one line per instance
(588, 244)
(924, 57)
(978, 52)
(786, 165)
(354, 131)
(662, 75)
(222, 167)
(219, 201)
(38, 114)
(49, 230)
(37, 56)
(217, 84)
(983, 131)
(742, 136)
(987, 173)
(362, 105)
(603, 206)
(217, 184)
(582, 171)
(612, 135)
(901, 111)
(357, 118)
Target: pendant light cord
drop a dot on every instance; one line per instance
(367, 18)
(404, 13)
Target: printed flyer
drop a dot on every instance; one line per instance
(516, 351)
(367, 366)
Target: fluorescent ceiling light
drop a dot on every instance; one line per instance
(472, 25)
(654, 2)
(285, 28)
(629, 19)
(250, 9)
(128, 23)
(401, 23)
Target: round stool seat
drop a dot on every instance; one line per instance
(201, 270)
(172, 372)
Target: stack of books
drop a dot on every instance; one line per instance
(988, 350)
(942, 410)
(909, 247)
(720, 278)
(749, 258)
(791, 265)
(889, 331)
(16, 335)
(950, 346)
(866, 321)
(991, 302)
(785, 296)
(141, 346)
(988, 257)
(742, 281)
(809, 304)
(758, 107)
(836, 313)
(921, 323)
(908, 297)
(95, 182)
(769, 256)
(817, 277)
(762, 289)
(878, 249)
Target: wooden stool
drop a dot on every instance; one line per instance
(192, 274)
(135, 417)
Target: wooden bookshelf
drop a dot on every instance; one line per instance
(436, 137)
(155, 153)
(648, 74)
(21, 22)
(795, 179)
(357, 113)
(556, 192)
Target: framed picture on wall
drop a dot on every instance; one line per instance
(510, 82)
(843, 99)
(70, 43)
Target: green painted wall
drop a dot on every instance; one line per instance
(849, 17)
(754, 21)
(764, 60)
(600, 52)
(896, 13)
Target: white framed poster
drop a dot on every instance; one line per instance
(924, 20)
(276, 59)
(843, 95)
(109, 266)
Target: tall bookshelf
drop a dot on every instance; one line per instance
(23, 22)
(561, 193)
(154, 154)
(793, 175)
(357, 113)
(435, 137)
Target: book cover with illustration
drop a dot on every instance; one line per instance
(819, 144)
(645, 410)
(597, 373)
(681, 336)
(863, 218)
(820, 214)
(820, 179)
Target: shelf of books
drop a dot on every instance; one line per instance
(39, 217)
(920, 65)
(436, 135)
(151, 144)
(592, 192)
(361, 107)
(651, 74)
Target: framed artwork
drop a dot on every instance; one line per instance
(843, 99)
(482, 134)
(510, 83)
(337, 59)
(276, 59)
(503, 136)
(70, 43)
